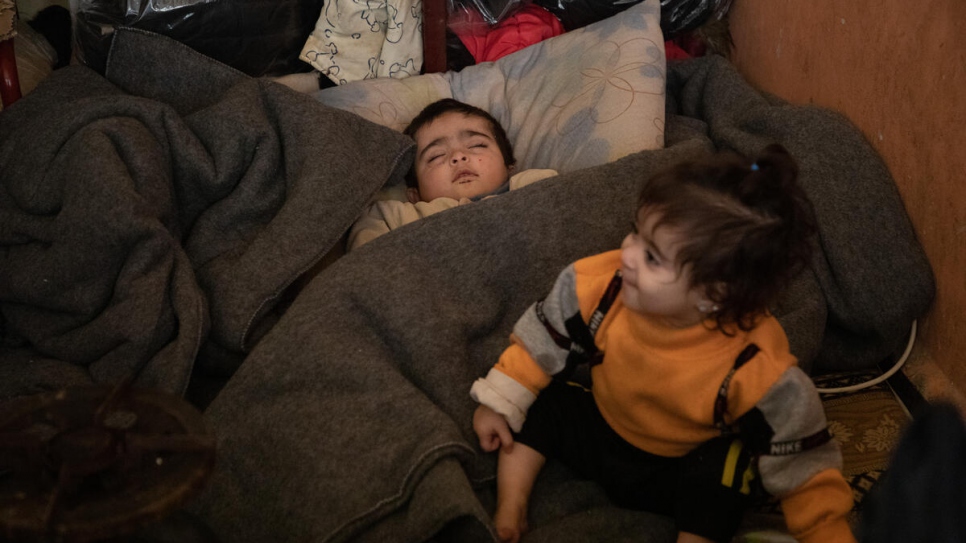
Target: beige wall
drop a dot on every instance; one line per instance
(898, 71)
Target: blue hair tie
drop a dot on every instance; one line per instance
(754, 166)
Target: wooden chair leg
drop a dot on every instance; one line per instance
(434, 36)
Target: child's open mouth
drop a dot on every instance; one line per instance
(463, 177)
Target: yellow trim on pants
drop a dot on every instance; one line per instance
(731, 466)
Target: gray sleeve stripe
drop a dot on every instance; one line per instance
(559, 305)
(793, 409)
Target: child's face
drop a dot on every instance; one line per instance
(654, 284)
(457, 157)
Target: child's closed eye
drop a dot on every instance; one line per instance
(478, 144)
(649, 256)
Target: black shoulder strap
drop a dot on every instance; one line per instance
(580, 339)
(721, 401)
(755, 430)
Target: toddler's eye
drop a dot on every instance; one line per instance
(649, 256)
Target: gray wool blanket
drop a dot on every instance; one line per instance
(167, 207)
(161, 211)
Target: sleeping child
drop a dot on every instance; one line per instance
(462, 155)
(695, 396)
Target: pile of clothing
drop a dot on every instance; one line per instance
(269, 39)
(486, 30)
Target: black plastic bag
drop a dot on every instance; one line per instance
(680, 16)
(677, 16)
(257, 37)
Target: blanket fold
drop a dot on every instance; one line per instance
(163, 206)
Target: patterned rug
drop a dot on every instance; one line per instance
(866, 424)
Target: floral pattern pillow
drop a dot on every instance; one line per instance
(8, 19)
(364, 39)
(584, 98)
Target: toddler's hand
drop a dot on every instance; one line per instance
(492, 429)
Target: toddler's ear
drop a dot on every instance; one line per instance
(718, 291)
(412, 193)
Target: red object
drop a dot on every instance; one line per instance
(674, 51)
(691, 44)
(529, 25)
(9, 80)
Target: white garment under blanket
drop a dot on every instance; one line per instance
(366, 39)
(385, 215)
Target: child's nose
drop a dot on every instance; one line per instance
(627, 241)
(627, 258)
(458, 156)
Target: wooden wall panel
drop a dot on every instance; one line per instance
(898, 71)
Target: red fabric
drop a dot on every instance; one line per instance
(673, 51)
(691, 44)
(528, 25)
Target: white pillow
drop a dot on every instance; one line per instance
(577, 100)
(386, 101)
